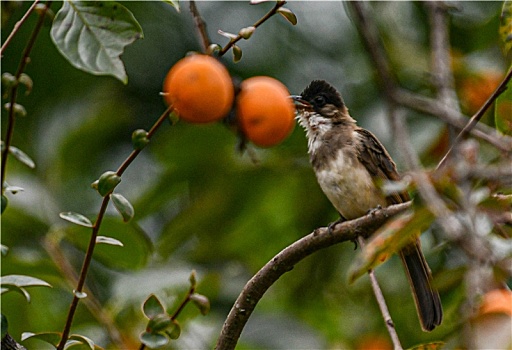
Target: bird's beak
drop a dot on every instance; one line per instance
(300, 103)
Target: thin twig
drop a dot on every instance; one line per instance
(382, 304)
(83, 273)
(17, 27)
(94, 235)
(478, 115)
(262, 20)
(51, 245)
(284, 262)
(14, 92)
(180, 308)
(431, 106)
(200, 25)
(390, 88)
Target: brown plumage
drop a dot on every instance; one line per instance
(347, 160)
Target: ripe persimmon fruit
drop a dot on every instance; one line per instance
(265, 111)
(199, 88)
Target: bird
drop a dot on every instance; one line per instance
(349, 163)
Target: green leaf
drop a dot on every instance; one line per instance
(237, 53)
(76, 218)
(12, 288)
(23, 281)
(175, 332)
(503, 111)
(506, 28)
(174, 3)
(137, 247)
(82, 339)
(152, 306)
(4, 325)
(288, 15)
(107, 182)
(49, 337)
(153, 341)
(202, 303)
(92, 35)
(123, 206)
(22, 157)
(108, 240)
(158, 323)
(140, 139)
(388, 240)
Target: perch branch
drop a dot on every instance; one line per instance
(287, 259)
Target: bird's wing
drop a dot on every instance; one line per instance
(379, 164)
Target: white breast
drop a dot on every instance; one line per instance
(349, 187)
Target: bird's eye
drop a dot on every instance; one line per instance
(320, 101)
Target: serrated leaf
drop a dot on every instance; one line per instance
(152, 306)
(503, 111)
(288, 15)
(108, 240)
(92, 35)
(49, 337)
(153, 341)
(173, 3)
(123, 206)
(388, 240)
(23, 281)
(4, 326)
(237, 53)
(506, 28)
(75, 218)
(22, 157)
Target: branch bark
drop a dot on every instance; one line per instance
(288, 258)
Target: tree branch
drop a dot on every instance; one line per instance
(262, 20)
(290, 256)
(14, 92)
(17, 27)
(478, 115)
(370, 37)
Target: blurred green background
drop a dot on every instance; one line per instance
(201, 205)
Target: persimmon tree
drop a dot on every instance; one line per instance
(211, 219)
